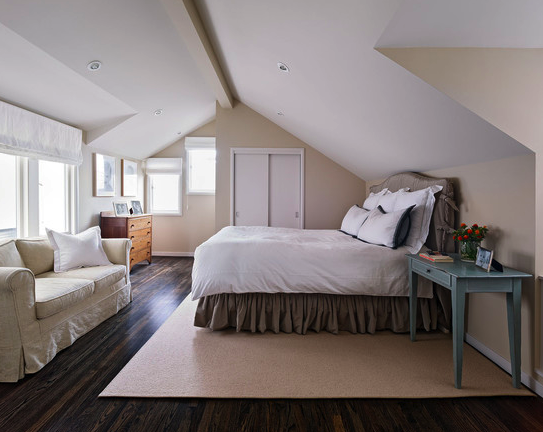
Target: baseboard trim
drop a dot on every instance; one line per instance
(526, 379)
(173, 254)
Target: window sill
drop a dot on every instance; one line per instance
(201, 193)
(167, 214)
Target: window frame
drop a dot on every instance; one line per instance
(27, 184)
(199, 143)
(149, 181)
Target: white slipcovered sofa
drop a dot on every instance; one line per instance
(43, 312)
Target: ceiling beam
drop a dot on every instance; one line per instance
(186, 19)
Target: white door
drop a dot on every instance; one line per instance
(284, 190)
(251, 190)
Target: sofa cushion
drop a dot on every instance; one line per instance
(37, 254)
(9, 255)
(103, 276)
(56, 295)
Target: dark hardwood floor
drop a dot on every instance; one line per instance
(63, 396)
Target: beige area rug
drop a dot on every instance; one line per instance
(181, 360)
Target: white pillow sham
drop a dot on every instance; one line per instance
(372, 201)
(353, 220)
(421, 215)
(386, 200)
(79, 250)
(387, 229)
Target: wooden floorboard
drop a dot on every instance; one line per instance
(63, 396)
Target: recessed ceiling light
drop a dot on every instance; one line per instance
(179, 133)
(158, 112)
(94, 65)
(280, 113)
(283, 67)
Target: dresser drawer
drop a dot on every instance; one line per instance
(138, 256)
(139, 234)
(140, 243)
(436, 275)
(135, 224)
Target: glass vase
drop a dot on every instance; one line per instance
(468, 250)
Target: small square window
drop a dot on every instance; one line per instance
(201, 171)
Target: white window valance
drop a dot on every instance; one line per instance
(24, 133)
(164, 166)
(199, 143)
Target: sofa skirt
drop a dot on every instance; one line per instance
(299, 313)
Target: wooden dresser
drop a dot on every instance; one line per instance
(138, 228)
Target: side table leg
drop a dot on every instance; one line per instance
(413, 287)
(458, 303)
(514, 323)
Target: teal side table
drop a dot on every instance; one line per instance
(462, 278)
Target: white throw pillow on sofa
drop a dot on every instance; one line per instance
(353, 220)
(79, 250)
(421, 215)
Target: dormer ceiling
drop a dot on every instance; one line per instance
(341, 95)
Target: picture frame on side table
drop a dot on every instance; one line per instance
(129, 178)
(136, 207)
(121, 208)
(484, 258)
(104, 175)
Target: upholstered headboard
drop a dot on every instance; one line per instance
(444, 210)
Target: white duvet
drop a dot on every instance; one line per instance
(284, 260)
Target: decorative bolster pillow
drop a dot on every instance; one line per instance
(353, 220)
(387, 229)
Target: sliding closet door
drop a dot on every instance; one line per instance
(251, 189)
(267, 187)
(284, 190)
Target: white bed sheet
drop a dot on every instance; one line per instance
(284, 260)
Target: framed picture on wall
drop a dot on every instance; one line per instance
(129, 180)
(104, 175)
(121, 208)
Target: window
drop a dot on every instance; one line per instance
(53, 196)
(200, 165)
(201, 171)
(164, 185)
(35, 194)
(8, 196)
(165, 194)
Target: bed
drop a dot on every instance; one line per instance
(279, 279)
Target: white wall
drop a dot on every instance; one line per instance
(91, 206)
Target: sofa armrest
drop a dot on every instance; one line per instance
(18, 322)
(118, 251)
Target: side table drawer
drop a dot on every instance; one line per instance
(436, 275)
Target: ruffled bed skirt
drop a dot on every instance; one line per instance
(302, 312)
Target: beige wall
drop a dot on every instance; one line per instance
(182, 234)
(329, 188)
(500, 194)
(503, 86)
(91, 206)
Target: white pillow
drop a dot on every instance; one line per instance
(387, 229)
(385, 200)
(372, 201)
(80, 250)
(421, 215)
(353, 220)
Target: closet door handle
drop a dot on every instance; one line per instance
(237, 214)
(297, 215)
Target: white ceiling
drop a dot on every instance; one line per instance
(342, 96)
(146, 66)
(466, 23)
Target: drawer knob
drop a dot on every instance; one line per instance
(149, 223)
(132, 226)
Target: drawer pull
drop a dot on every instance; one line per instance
(132, 226)
(149, 223)
(132, 237)
(428, 271)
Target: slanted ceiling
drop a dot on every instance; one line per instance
(342, 96)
